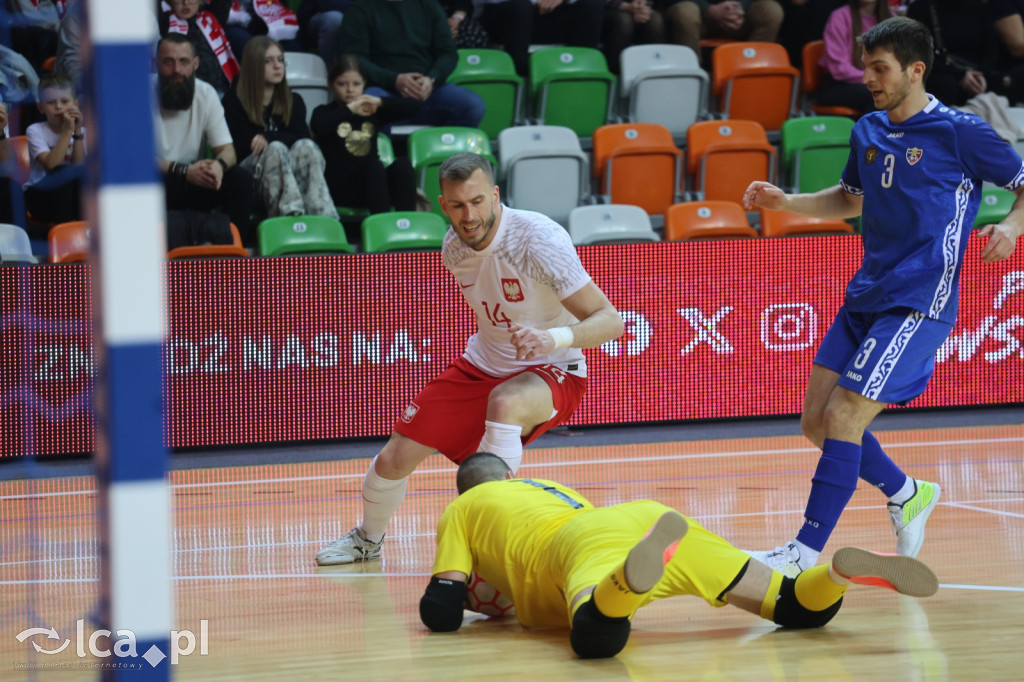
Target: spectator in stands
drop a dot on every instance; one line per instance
(203, 22)
(319, 23)
(33, 28)
(965, 47)
(802, 22)
(12, 209)
(466, 30)
(56, 148)
(268, 126)
(842, 62)
(1008, 21)
(406, 48)
(347, 129)
(189, 118)
(249, 18)
(518, 23)
(753, 20)
(630, 22)
(69, 40)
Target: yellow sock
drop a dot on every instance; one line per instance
(816, 590)
(613, 598)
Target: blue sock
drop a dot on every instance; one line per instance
(833, 485)
(877, 469)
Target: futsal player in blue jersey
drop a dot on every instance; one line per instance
(914, 176)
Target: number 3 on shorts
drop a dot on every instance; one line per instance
(865, 353)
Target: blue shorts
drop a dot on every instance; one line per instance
(888, 356)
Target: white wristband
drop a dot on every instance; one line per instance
(562, 336)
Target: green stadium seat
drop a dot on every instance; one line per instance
(403, 231)
(305, 234)
(814, 151)
(492, 75)
(995, 205)
(572, 87)
(429, 147)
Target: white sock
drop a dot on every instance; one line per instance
(904, 493)
(381, 499)
(504, 441)
(808, 556)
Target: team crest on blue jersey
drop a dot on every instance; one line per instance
(870, 155)
(914, 155)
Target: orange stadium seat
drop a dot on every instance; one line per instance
(638, 164)
(19, 147)
(696, 220)
(811, 82)
(783, 224)
(232, 250)
(724, 157)
(756, 82)
(69, 242)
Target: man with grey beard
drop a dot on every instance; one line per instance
(190, 116)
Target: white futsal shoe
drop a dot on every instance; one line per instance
(785, 559)
(349, 549)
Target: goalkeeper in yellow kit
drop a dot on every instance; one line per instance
(562, 561)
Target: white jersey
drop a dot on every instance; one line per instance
(521, 277)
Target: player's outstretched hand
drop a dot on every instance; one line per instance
(761, 194)
(1001, 243)
(531, 343)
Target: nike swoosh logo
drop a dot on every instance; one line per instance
(466, 286)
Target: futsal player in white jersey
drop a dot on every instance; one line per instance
(914, 175)
(523, 371)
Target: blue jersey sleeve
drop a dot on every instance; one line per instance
(850, 181)
(987, 156)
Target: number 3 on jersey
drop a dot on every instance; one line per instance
(497, 317)
(890, 165)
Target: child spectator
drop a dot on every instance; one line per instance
(268, 125)
(346, 130)
(56, 148)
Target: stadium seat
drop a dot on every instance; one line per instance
(403, 231)
(814, 151)
(755, 82)
(811, 55)
(429, 147)
(663, 84)
(19, 148)
(784, 224)
(1016, 114)
(995, 205)
(724, 157)
(703, 220)
(543, 169)
(638, 164)
(572, 87)
(610, 224)
(232, 250)
(306, 234)
(69, 242)
(307, 76)
(492, 75)
(15, 246)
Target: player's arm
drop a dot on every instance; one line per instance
(441, 603)
(599, 322)
(832, 202)
(1002, 237)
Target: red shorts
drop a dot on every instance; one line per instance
(449, 413)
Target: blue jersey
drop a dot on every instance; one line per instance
(921, 183)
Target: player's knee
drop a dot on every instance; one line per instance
(441, 605)
(790, 613)
(813, 428)
(595, 635)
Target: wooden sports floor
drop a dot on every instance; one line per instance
(245, 537)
